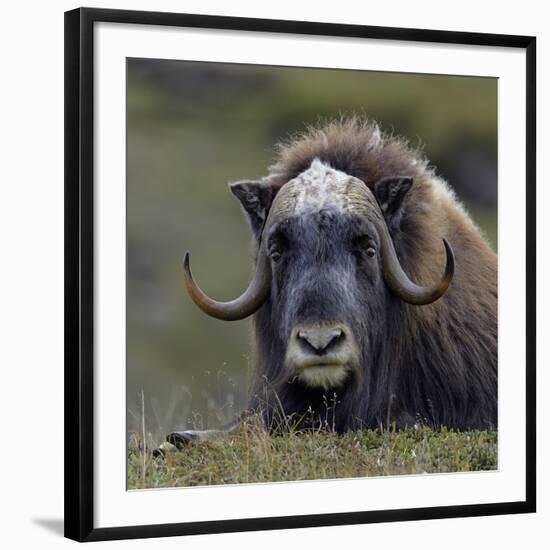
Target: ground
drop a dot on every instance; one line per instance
(254, 456)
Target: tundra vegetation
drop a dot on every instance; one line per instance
(256, 456)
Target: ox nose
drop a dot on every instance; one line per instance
(320, 340)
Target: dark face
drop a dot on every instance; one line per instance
(327, 294)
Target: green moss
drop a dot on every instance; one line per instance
(256, 457)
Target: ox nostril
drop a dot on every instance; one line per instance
(320, 340)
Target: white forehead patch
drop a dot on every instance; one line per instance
(323, 187)
(319, 187)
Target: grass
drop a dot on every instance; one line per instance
(254, 456)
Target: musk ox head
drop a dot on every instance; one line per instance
(327, 265)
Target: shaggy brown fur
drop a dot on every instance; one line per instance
(445, 357)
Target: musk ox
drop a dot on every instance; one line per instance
(355, 296)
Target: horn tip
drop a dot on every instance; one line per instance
(186, 262)
(449, 251)
(450, 267)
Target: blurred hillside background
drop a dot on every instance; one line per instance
(194, 127)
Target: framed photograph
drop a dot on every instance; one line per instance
(300, 274)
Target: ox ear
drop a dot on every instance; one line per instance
(389, 193)
(255, 198)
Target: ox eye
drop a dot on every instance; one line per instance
(276, 246)
(275, 254)
(364, 244)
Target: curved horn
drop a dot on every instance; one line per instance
(243, 306)
(399, 282)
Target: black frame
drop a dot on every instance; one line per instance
(79, 264)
